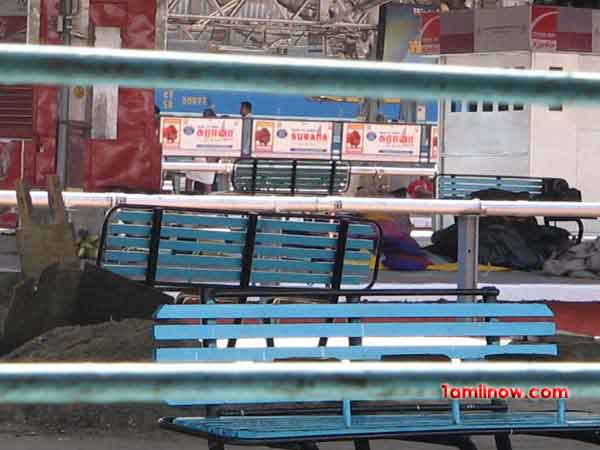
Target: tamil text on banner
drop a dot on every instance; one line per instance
(377, 142)
(544, 25)
(291, 139)
(201, 136)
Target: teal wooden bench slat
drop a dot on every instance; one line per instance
(127, 242)
(360, 310)
(196, 260)
(207, 220)
(204, 247)
(291, 277)
(197, 275)
(134, 216)
(205, 234)
(374, 353)
(131, 230)
(126, 256)
(310, 241)
(432, 329)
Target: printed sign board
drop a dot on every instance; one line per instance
(429, 34)
(544, 25)
(201, 136)
(457, 31)
(574, 30)
(502, 29)
(291, 139)
(379, 142)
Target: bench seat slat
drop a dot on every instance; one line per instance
(310, 278)
(357, 353)
(322, 227)
(364, 310)
(134, 216)
(323, 254)
(194, 260)
(297, 428)
(130, 230)
(166, 244)
(196, 275)
(310, 241)
(318, 267)
(306, 330)
(120, 242)
(206, 220)
(125, 257)
(203, 234)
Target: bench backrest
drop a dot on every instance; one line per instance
(462, 186)
(288, 177)
(359, 332)
(187, 247)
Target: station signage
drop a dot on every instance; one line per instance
(201, 136)
(291, 139)
(381, 142)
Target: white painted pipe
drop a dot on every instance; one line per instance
(319, 204)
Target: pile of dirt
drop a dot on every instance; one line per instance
(127, 340)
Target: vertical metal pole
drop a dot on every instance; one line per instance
(468, 255)
(63, 105)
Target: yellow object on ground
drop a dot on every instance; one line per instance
(453, 267)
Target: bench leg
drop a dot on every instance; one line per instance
(503, 441)
(362, 444)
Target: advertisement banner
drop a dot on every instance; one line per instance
(14, 7)
(502, 29)
(457, 30)
(596, 31)
(291, 139)
(429, 33)
(379, 142)
(574, 30)
(13, 29)
(544, 25)
(201, 136)
(434, 149)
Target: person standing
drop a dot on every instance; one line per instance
(245, 109)
(202, 182)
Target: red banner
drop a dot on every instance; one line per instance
(544, 27)
(13, 29)
(429, 33)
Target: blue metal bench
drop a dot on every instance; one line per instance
(459, 187)
(289, 177)
(189, 248)
(358, 326)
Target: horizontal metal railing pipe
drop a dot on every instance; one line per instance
(355, 170)
(28, 64)
(271, 382)
(268, 203)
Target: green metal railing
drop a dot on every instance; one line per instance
(269, 382)
(21, 64)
